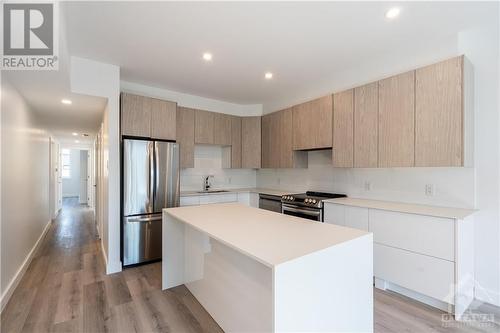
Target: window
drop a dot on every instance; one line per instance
(66, 163)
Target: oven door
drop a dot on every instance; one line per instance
(315, 214)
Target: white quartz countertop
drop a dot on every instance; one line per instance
(268, 237)
(437, 211)
(239, 190)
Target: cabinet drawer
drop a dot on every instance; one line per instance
(428, 235)
(427, 275)
(190, 201)
(334, 214)
(356, 217)
(218, 198)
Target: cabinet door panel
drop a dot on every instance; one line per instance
(222, 129)
(396, 123)
(285, 139)
(312, 124)
(163, 119)
(343, 129)
(204, 127)
(439, 114)
(266, 141)
(251, 142)
(427, 275)
(185, 136)
(366, 126)
(135, 115)
(235, 142)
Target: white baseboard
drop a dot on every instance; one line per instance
(111, 267)
(24, 266)
(487, 296)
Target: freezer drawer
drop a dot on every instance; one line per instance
(142, 238)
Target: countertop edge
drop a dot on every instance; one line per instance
(402, 207)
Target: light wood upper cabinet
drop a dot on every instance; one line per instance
(312, 124)
(439, 114)
(343, 129)
(185, 136)
(222, 129)
(204, 123)
(148, 117)
(270, 141)
(163, 119)
(366, 126)
(396, 122)
(235, 142)
(135, 115)
(251, 142)
(286, 152)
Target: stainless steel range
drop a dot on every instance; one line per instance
(307, 205)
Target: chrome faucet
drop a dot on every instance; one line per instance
(206, 182)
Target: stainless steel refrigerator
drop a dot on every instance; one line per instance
(150, 183)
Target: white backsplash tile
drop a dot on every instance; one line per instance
(208, 161)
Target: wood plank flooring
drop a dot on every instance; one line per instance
(65, 289)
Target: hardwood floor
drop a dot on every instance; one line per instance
(66, 290)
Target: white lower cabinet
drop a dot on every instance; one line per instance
(246, 198)
(249, 199)
(190, 201)
(424, 274)
(218, 198)
(433, 236)
(352, 217)
(425, 257)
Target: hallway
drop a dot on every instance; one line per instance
(66, 290)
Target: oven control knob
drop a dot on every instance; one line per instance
(308, 200)
(314, 201)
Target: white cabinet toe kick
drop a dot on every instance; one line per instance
(424, 257)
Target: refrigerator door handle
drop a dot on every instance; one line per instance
(157, 173)
(151, 181)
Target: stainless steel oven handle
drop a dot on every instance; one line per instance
(302, 211)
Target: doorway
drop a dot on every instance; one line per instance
(75, 174)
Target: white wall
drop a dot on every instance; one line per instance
(476, 187)
(24, 185)
(71, 186)
(99, 79)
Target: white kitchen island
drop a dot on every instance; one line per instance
(258, 271)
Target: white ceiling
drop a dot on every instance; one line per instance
(44, 90)
(302, 43)
(305, 44)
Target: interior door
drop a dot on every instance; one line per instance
(137, 177)
(167, 188)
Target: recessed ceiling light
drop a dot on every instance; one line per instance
(76, 141)
(66, 101)
(74, 134)
(268, 75)
(392, 13)
(207, 56)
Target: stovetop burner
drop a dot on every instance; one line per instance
(310, 198)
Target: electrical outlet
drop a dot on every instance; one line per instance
(229, 180)
(368, 186)
(429, 190)
(278, 181)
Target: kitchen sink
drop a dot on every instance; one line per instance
(213, 191)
